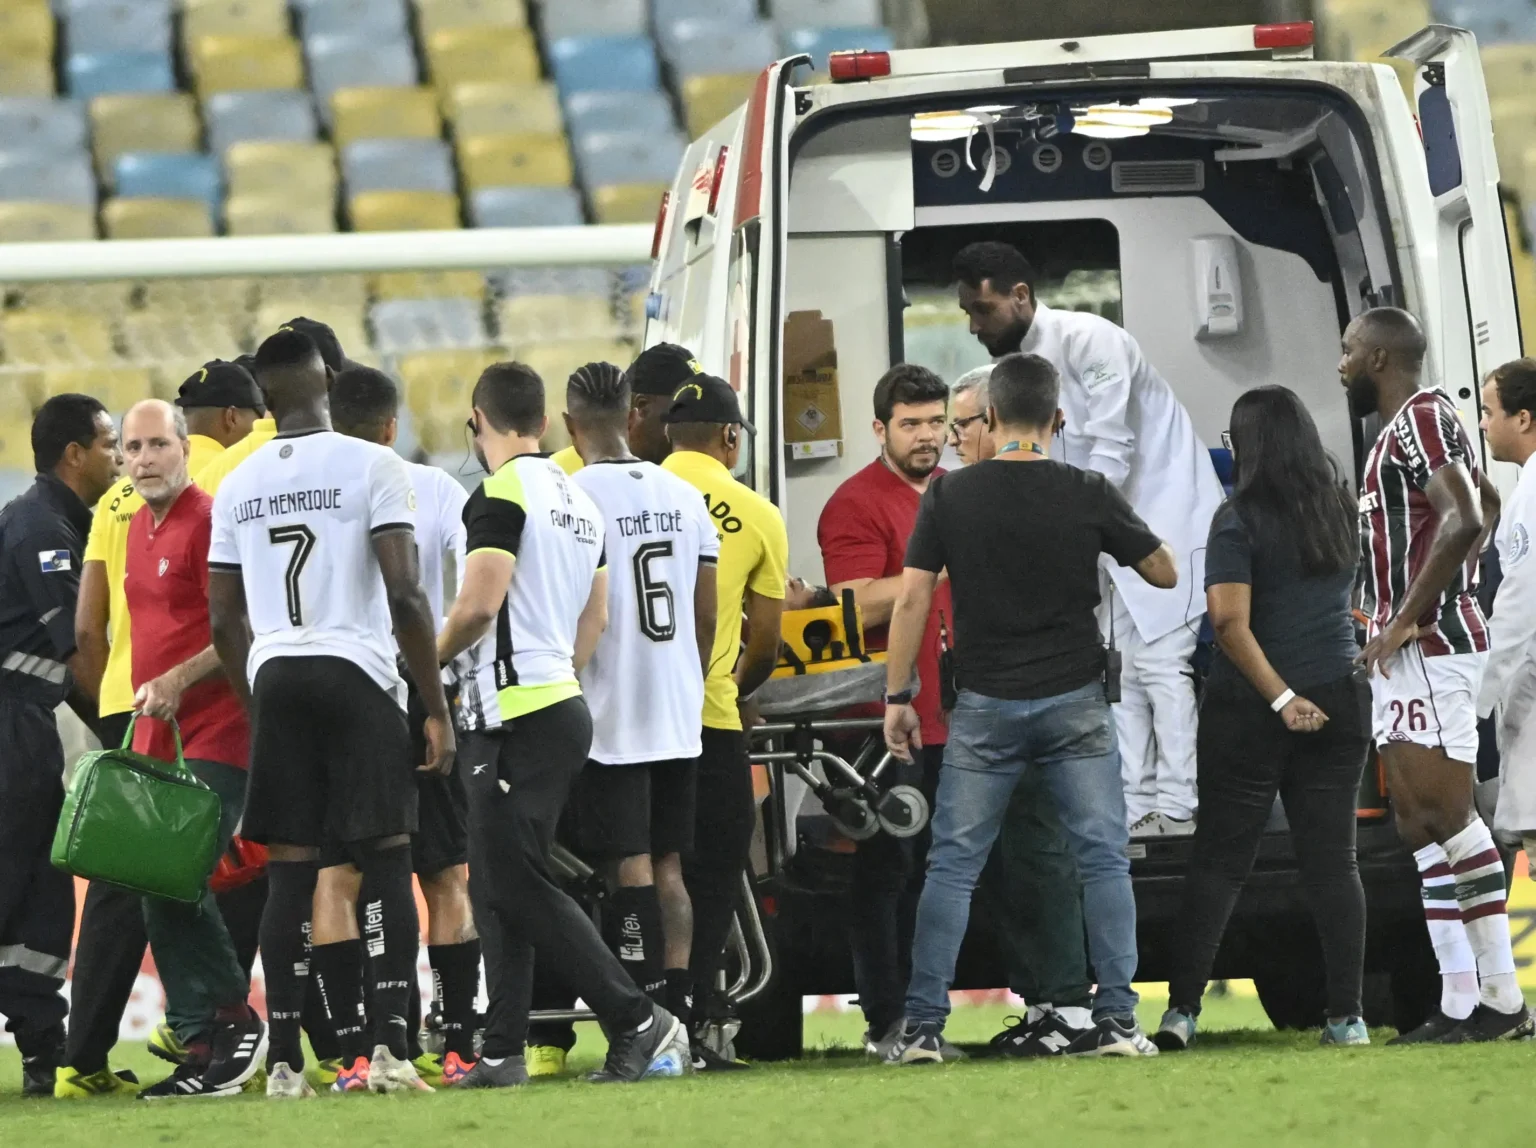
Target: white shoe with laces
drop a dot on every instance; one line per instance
(1147, 826)
(386, 1073)
(283, 1083)
(1175, 826)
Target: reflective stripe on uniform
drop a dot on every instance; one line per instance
(31, 961)
(39, 667)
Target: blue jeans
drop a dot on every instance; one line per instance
(1070, 739)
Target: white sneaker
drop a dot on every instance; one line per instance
(386, 1074)
(1175, 826)
(283, 1083)
(1148, 826)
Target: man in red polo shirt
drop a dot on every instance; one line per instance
(177, 675)
(863, 535)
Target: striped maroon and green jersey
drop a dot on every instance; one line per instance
(1398, 524)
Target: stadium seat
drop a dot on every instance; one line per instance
(169, 175)
(35, 123)
(302, 171)
(433, 15)
(106, 299)
(462, 55)
(824, 13)
(45, 222)
(556, 360)
(119, 26)
(26, 29)
(118, 388)
(487, 108)
(362, 19)
(47, 337)
(233, 117)
(341, 311)
(97, 74)
(665, 13)
(277, 215)
(604, 63)
(1509, 70)
(384, 113)
(709, 99)
(156, 335)
(526, 207)
(265, 18)
(156, 219)
(246, 64)
(589, 112)
(435, 379)
(710, 47)
(1514, 134)
(227, 295)
(522, 160)
(403, 211)
(142, 121)
(401, 326)
(552, 280)
(628, 157)
(818, 42)
(48, 178)
(595, 18)
(1363, 33)
(348, 62)
(429, 285)
(25, 75)
(627, 202)
(529, 318)
(397, 165)
(1492, 22)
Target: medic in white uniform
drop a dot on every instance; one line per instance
(1122, 420)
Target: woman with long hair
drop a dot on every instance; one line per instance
(1284, 709)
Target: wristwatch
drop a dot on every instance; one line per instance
(901, 697)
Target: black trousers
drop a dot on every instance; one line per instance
(37, 901)
(1245, 756)
(722, 841)
(518, 779)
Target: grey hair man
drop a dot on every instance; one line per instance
(968, 430)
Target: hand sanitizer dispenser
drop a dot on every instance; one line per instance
(1218, 288)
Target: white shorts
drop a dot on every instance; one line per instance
(1429, 701)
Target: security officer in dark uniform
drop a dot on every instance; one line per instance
(42, 539)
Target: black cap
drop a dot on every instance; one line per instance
(324, 338)
(661, 369)
(221, 384)
(706, 399)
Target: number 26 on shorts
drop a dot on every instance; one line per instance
(1414, 712)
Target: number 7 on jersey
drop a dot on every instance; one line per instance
(302, 538)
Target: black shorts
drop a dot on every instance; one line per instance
(629, 810)
(441, 840)
(330, 756)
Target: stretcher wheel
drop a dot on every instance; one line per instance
(854, 820)
(910, 814)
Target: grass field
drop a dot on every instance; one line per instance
(1243, 1084)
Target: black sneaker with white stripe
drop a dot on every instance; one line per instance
(1113, 1036)
(1047, 1035)
(188, 1080)
(239, 1051)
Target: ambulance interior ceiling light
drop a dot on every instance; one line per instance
(1104, 121)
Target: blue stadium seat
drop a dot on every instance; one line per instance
(350, 62)
(1491, 21)
(170, 175)
(594, 18)
(397, 165)
(552, 281)
(67, 179)
(628, 157)
(526, 207)
(404, 325)
(119, 26)
(605, 64)
(96, 74)
(709, 47)
(589, 112)
(371, 19)
(824, 13)
(665, 13)
(818, 42)
(278, 115)
(42, 124)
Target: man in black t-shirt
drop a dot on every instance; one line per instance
(1021, 536)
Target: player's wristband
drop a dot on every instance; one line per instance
(1283, 700)
(901, 697)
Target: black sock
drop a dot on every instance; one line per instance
(413, 1047)
(456, 972)
(392, 935)
(680, 995)
(339, 974)
(632, 924)
(284, 936)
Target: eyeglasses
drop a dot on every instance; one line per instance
(1226, 440)
(957, 427)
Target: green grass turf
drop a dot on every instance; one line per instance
(1242, 1085)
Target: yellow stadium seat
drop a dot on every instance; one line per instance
(156, 336)
(297, 291)
(142, 121)
(524, 318)
(554, 361)
(26, 28)
(432, 15)
(282, 167)
(16, 440)
(21, 389)
(227, 295)
(1514, 134)
(709, 99)
(403, 211)
(493, 107)
(1365, 31)
(25, 75)
(46, 337)
(277, 215)
(519, 160)
(45, 222)
(627, 202)
(233, 18)
(1509, 70)
(439, 383)
(384, 113)
(342, 314)
(458, 55)
(107, 299)
(156, 219)
(246, 63)
(429, 285)
(118, 388)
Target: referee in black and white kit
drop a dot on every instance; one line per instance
(42, 540)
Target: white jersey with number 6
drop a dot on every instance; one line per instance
(644, 683)
(297, 520)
